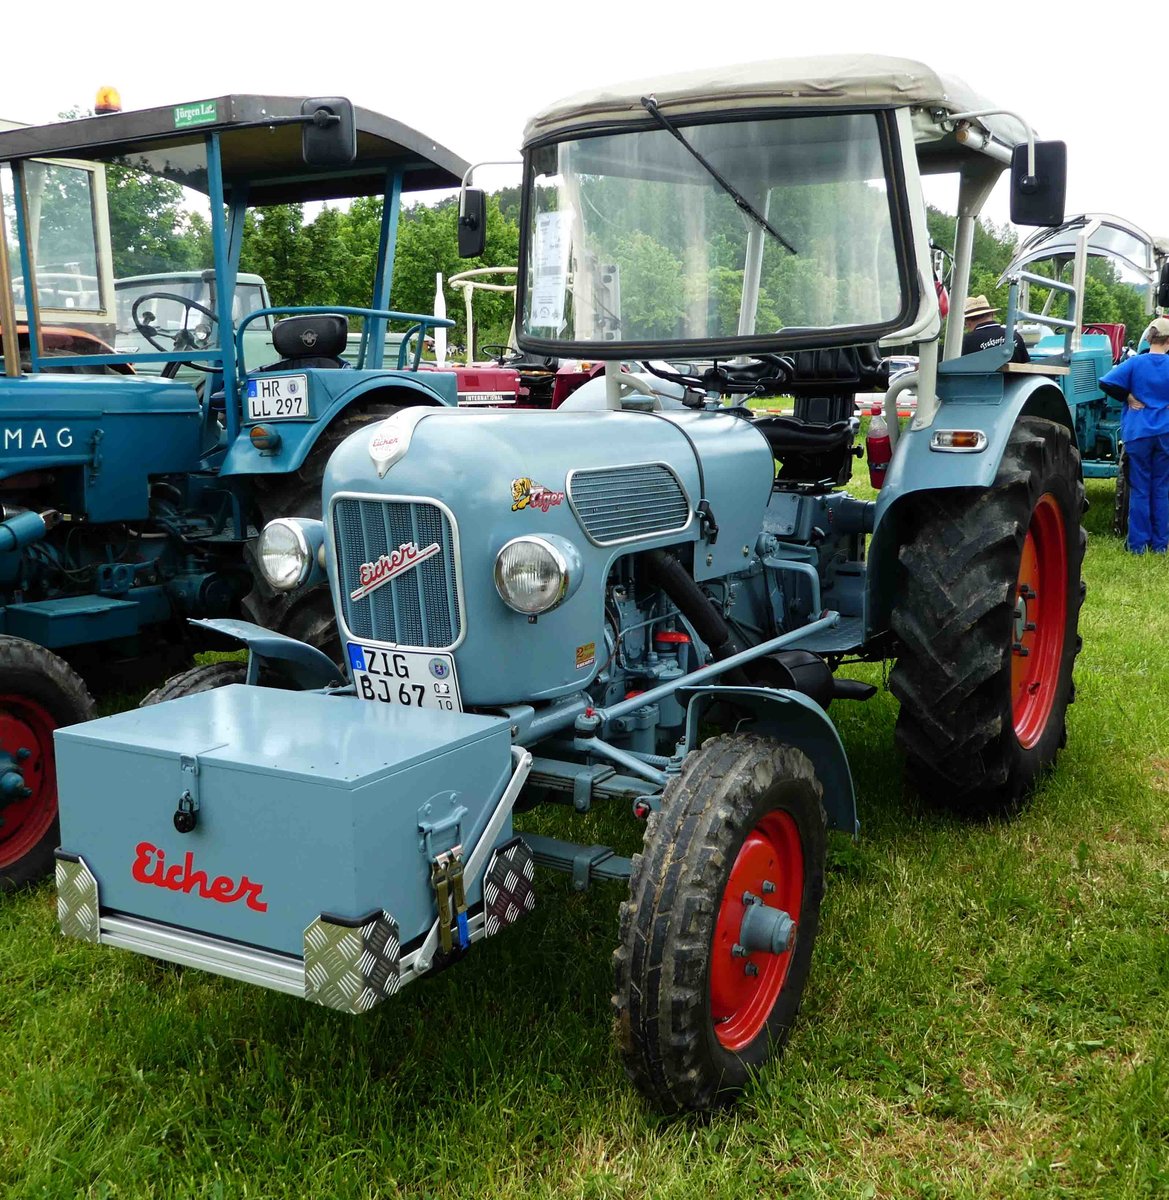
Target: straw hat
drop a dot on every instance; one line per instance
(978, 306)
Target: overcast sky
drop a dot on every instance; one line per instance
(470, 74)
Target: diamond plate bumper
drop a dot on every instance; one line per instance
(77, 899)
(508, 890)
(352, 965)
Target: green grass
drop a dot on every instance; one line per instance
(986, 1014)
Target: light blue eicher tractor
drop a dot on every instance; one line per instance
(130, 495)
(642, 596)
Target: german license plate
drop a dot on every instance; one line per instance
(412, 678)
(276, 397)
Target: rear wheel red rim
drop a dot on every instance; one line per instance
(741, 1002)
(26, 725)
(1039, 627)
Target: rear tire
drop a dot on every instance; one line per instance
(989, 602)
(38, 693)
(694, 1020)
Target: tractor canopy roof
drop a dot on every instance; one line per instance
(170, 142)
(1110, 237)
(853, 81)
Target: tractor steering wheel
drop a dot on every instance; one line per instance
(503, 355)
(198, 338)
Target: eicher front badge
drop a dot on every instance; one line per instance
(390, 439)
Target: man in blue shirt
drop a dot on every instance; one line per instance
(1142, 385)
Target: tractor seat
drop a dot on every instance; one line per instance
(788, 435)
(310, 341)
(836, 371)
(811, 457)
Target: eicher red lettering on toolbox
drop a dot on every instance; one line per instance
(373, 574)
(150, 867)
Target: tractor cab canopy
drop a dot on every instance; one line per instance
(264, 158)
(1130, 256)
(764, 206)
(164, 193)
(1105, 236)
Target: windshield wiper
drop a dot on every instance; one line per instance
(651, 106)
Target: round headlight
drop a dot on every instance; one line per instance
(532, 574)
(285, 557)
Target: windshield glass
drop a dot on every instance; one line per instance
(631, 239)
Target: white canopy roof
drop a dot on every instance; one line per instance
(828, 81)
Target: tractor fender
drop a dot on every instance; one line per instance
(300, 663)
(794, 719)
(298, 438)
(916, 468)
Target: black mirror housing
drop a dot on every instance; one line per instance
(329, 138)
(1163, 287)
(1039, 199)
(472, 222)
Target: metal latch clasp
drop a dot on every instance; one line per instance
(187, 813)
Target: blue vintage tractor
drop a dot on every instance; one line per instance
(1087, 352)
(642, 597)
(129, 495)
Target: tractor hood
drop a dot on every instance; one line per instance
(456, 485)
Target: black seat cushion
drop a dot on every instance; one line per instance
(838, 370)
(787, 435)
(310, 341)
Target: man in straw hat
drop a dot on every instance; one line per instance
(984, 331)
(1141, 384)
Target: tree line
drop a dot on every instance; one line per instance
(331, 258)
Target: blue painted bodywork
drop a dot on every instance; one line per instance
(467, 460)
(989, 402)
(795, 720)
(317, 799)
(108, 448)
(330, 393)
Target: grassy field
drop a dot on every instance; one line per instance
(987, 1014)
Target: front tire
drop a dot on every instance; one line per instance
(986, 621)
(695, 1017)
(38, 694)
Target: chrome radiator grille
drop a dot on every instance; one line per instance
(619, 503)
(420, 606)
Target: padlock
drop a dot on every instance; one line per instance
(186, 817)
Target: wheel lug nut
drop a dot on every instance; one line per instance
(768, 887)
(738, 951)
(750, 969)
(23, 753)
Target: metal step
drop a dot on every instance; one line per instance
(847, 634)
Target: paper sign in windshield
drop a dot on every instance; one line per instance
(550, 262)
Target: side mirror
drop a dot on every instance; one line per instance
(329, 137)
(1039, 199)
(472, 222)
(1163, 287)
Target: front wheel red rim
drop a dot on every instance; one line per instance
(744, 990)
(26, 740)
(1039, 627)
